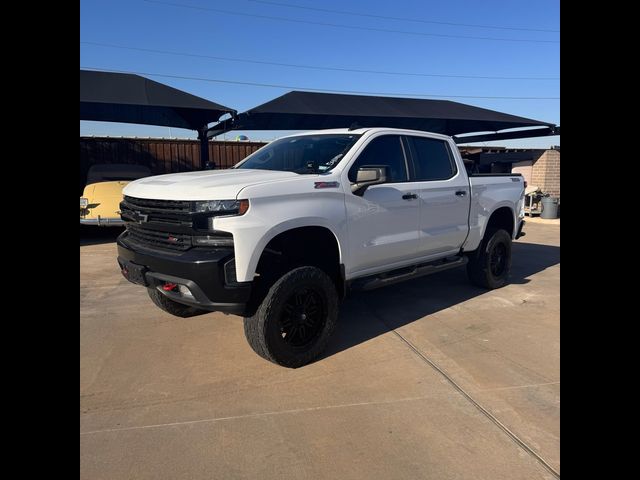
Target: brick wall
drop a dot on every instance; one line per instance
(523, 168)
(546, 172)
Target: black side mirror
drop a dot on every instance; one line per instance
(367, 176)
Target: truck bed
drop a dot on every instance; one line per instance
(490, 191)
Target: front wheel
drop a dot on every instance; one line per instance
(294, 321)
(489, 266)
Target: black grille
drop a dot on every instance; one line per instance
(159, 205)
(154, 239)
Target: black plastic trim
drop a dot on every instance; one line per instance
(200, 300)
(202, 270)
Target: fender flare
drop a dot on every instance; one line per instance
(292, 225)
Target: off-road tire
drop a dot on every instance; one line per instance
(482, 268)
(266, 331)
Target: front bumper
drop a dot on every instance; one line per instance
(103, 222)
(202, 271)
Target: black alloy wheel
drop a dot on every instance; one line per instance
(302, 318)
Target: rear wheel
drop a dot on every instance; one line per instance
(294, 321)
(489, 266)
(174, 308)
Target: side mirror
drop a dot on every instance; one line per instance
(367, 176)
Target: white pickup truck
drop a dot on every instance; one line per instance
(285, 234)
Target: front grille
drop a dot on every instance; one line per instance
(158, 240)
(177, 206)
(170, 225)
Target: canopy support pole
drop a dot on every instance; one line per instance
(204, 147)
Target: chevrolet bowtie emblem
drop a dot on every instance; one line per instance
(141, 217)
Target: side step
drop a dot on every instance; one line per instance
(406, 273)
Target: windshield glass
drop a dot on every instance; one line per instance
(302, 154)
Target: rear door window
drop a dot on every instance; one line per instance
(432, 159)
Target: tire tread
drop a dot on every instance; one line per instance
(255, 327)
(478, 268)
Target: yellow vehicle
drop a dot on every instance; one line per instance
(100, 201)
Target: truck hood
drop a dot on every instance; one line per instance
(202, 185)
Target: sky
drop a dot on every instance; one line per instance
(424, 46)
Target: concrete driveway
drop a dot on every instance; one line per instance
(429, 379)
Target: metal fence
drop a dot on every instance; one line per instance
(159, 154)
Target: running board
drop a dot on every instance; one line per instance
(406, 273)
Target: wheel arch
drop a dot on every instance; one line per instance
(291, 227)
(502, 217)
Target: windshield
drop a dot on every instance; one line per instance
(302, 154)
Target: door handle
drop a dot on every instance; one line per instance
(409, 196)
(461, 193)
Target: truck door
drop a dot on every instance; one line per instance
(444, 194)
(383, 222)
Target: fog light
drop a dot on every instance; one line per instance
(167, 287)
(184, 290)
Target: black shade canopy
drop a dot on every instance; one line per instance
(127, 98)
(310, 111)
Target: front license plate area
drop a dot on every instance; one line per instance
(134, 273)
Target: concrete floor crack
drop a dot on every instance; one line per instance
(482, 410)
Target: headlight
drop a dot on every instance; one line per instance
(225, 207)
(84, 202)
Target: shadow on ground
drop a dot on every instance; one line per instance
(424, 296)
(90, 235)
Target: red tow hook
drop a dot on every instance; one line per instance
(167, 287)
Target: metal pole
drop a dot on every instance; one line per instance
(204, 147)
